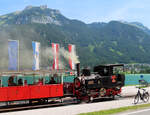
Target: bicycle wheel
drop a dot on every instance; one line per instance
(136, 99)
(146, 97)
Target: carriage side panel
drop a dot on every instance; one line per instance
(44, 91)
(12, 93)
(59, 90)
(35, 92)
(23, 92)
(3, 93)
(56, 90)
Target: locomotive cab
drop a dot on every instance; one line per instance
(103, 76)
(111, 74)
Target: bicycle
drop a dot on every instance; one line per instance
(143, 96)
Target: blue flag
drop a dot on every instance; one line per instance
(13, 55)
(36, 52)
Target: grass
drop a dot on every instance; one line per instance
(117, 110)
(138, 86)
(130, 85)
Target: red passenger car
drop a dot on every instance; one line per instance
(30, 86)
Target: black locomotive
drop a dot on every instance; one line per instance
(103, 81)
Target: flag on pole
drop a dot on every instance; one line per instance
(72, 56)
(55, 49)
(13, 55)
(36, 55)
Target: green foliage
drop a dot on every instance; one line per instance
(96, 43)
(112, 50)
(119, 53)
(141, 47)
(91, 48)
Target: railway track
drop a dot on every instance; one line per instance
(21, 107)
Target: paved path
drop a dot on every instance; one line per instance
(75, 109)
(131, 91)
(82, 108)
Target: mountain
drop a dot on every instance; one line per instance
(41, 15)
(96, 43)
(138, 25)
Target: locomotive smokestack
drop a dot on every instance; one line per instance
(78, 69)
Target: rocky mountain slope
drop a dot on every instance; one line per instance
(97, 43)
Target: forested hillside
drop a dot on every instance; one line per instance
(96, 43)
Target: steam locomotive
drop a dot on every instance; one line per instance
(42, 86)
(103, 82)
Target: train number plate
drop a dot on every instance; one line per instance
(90, 82)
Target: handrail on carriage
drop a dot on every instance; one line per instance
(31, 72)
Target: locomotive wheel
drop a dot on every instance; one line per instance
(102, 92)
(77, 83)
(113, 97)
(78, 100)
(89, 100)
(42, 101)
(30, 102)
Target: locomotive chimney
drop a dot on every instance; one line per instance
(78, 69)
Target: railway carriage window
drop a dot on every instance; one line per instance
(55, 79)
(4, 80)
(52, 81)
(25, 82)
(37, 80)
(11, 81)
(105, 71)
(0, 83)
(118, 70)
(46, 79)
(40, 81)
(20, 82)
(58, 79)
(28, 80)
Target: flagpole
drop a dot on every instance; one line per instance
(39, 54)
(18, 55)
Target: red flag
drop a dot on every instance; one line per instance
(55, 49)
(72, 55)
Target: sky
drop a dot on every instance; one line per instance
(89, 11)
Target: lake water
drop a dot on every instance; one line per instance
(133, 79)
